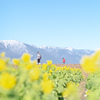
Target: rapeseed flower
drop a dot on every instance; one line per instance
(3, 54)
(2, 64)
(59, 68)
(44, 66)
(26, 57)
(34, 74)
(67, 68)
(87, 92)
(90, 63)
(7, 81)
(70, 89)
(47, 86)
(50, 71)
(15, 61)
(45, 76)
(77, 85)
(64, 67)
(71, 69)
(52, 65)
(49, 74)
(29, 66)
(49, 62)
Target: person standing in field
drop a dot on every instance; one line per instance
(38, 57)
(63, 60)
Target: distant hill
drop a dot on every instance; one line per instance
(15, 49)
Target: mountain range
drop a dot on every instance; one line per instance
(15, 49)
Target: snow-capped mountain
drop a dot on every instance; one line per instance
(69, 48)
(15, 49)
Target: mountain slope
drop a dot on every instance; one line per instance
(15, 49)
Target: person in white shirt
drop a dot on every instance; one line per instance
(38, 57)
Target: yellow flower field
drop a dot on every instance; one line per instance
(23, 79)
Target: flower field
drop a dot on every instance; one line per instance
(23, 79)
(91, 65)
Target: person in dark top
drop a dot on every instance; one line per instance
(38, 57)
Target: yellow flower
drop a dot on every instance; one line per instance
(77, 85)
(39, 65)
(34, 74)
(72, 69)
(49, 62)
(44, 66)
(49, 74)
(87, 92)
(65, 93)
(55, 66)
(7, 81)
(88, 64)
(64, 67)
(47, 86)
(59, 68)
(3, 54)
(34, 63)
(91, 63)
(45, 76)
(50, 71)
(15, 61)
(52, 65)
(70, 89)
(2, 65)
(26, 57)
(67, 68)
(29, 66)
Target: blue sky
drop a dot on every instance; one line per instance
(61, 23)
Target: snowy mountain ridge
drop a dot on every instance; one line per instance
(15, 49)
(52, 47)
(11, 42)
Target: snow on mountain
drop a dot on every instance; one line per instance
(12, 48)
(69, 48)
(52, 47)
(48, 47)
(12, 43)
(43, 47)
(15, 49)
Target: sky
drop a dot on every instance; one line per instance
(58, 23)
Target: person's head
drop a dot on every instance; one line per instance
(38, 52)
(62, 58)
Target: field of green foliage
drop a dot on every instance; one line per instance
(23, 79)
